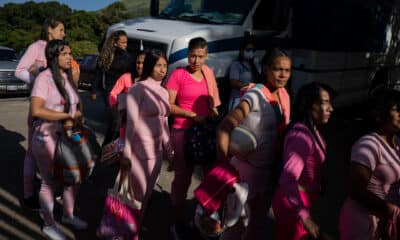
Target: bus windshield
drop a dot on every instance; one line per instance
(208, 11)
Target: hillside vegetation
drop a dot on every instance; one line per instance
(20, 24)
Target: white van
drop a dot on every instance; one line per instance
(340, 43)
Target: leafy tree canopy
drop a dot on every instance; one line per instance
(20, 24)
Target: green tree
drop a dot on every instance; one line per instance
(20, 24)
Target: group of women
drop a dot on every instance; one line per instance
(286, 137)
(48, 67)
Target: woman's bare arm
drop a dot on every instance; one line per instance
(38, 110)
(359, 179)
(232, 120)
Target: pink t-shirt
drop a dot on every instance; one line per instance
(191, 95)
(45, 88)
(383, 161)
(123, 84)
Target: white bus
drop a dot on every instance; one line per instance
(341, 43)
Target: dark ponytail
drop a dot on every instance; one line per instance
(53, 50)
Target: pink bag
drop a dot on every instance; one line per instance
(216, 185)
(121, 212)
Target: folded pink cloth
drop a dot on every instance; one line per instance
(211, 85)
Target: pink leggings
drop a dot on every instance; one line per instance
(289, 226)
(183, 171)
(43, 148)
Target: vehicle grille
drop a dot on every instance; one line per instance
(8, 76)
(10, 84)
(134, 46)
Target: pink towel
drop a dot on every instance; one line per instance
(283, 98)
(212, 86)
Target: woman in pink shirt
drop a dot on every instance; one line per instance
(304, 152)
(371, 210)
(126, 81)
(122, 86)
(147, 127)
(31, 63)
(55, 105)
(34, 58)
(193, 96)
(264, 110)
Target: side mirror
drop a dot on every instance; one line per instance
(154, 7)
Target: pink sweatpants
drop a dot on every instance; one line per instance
(183, 172)
(288, 224)
(145, 168)
(43, 149)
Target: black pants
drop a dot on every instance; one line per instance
(114, 122)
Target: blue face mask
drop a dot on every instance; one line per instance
(248, 54)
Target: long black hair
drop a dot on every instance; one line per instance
(108, 49)
(47, 24)
(150, 61)
(308, 95)
(134, 73)
(52, 51)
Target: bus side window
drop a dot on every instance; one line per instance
(271, 15)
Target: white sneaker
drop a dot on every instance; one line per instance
(234, 204)
(53, 232)
(245, 215)
(76, 222)
(242, 192)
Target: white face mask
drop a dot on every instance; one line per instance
(248, 54)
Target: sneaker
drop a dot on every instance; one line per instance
(76, 222)
(245, 215)
(53, 232)
(234, 204)
(242, 191)
(32, 202)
